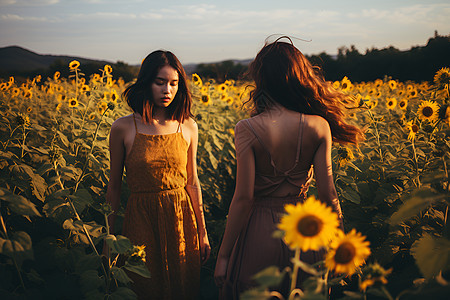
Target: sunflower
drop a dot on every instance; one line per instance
(403, 104)
(444, 113)
(372, 274)
(309, 225)
(428, 111)
(391, 103)
(229, 100)
(352, 115)
(378, 83)
(371, 104)
(204, 89)
(56, 75)
(345, 84)
(138, 253)
(74, 64)
(113, 96)
(412, 93)
(92, 116)
(73, 102)
(231, 131)
(95, 78)
(224, 97)
(197, 80)
(392, 84)
(108, 69)
(61, 98)
(15, 92)
(85, 88)
(336, 85)
(29, 109)
(442, 77)
(205, 99)
(101, 107)
(347, 252)
(22, 119)
(345, 155)
(28, 94)
(222, 88)
(412, 128)
(58, 107)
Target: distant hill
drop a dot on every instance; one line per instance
(418, 64)
(15, 58)
(22, 63)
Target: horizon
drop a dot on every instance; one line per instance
(199, 32)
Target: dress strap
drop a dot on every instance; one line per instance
(135, 125)
(299, 146)
(300, 137)
(262, 144)
(179, 128)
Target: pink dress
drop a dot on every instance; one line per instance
(255, 248)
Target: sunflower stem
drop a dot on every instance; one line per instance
(418, 184)
(295, 272)
(386, 292)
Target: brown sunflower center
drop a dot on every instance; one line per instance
(309, 225)
(415, 128)
(205, 98)
(73, 102)
(402, 104)
(345, 253)
(427, 111)
(390, 103)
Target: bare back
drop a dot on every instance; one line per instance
(285, 144)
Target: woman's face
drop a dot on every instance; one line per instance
(165, 86)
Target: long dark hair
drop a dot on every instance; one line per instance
(283, 75)
(139, 95)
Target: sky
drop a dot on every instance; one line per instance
(210, 31)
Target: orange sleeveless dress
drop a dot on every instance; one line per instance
(159, 215)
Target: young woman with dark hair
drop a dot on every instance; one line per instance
(157, 144)
(296, 116)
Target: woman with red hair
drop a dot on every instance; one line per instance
(296, 116)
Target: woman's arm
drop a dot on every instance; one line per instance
(241, 203)
(117, 159)
(323, 170)
(195, 193)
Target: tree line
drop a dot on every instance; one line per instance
(418, 64)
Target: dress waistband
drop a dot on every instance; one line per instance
(277, 202)
(159, 191)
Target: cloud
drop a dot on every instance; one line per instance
(426, 14)
(13, 17)
(28, 2)
(104, 15)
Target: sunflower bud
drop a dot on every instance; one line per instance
(443, 114)
(111, 105)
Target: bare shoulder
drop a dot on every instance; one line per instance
(241, 127)
(317, 125)
(122, 124)
(190, 125)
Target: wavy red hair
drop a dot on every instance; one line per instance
(282, 74)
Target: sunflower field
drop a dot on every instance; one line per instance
(55, 241)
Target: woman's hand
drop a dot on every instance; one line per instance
(221, 270)
(205, 248)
